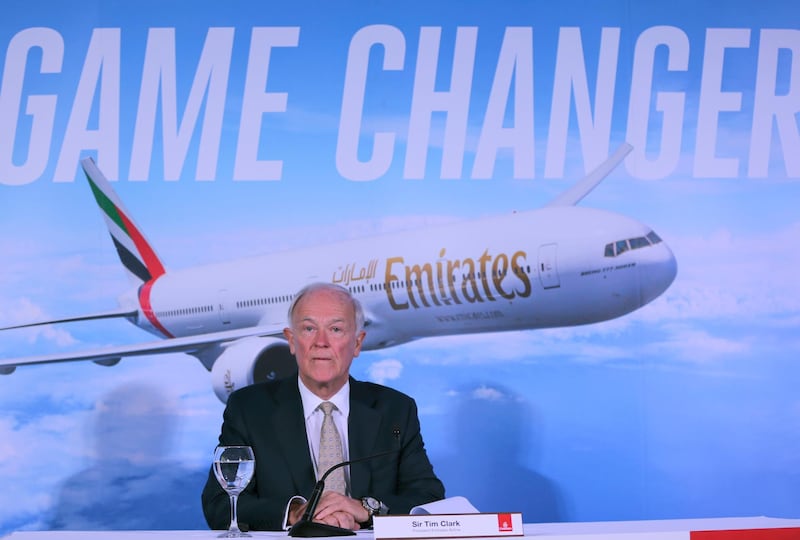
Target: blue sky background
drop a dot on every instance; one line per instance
(685, 408)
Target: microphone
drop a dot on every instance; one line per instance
(306, 527)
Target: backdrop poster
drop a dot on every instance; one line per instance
(237, 128)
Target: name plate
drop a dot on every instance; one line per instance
(448, 525)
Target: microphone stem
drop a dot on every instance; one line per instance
(313, 500)
(306, 527)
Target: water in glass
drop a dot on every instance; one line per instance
(234, 467)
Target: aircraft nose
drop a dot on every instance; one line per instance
(657, 272)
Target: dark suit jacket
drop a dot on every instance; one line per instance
(269, 417)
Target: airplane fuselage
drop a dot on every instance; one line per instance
(543, 268)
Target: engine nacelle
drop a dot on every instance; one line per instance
(108, 362)
(250, 361)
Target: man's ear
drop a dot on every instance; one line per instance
(287, 332)
(359, 341)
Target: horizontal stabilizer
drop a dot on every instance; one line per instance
(115, 314)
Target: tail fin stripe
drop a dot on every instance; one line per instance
(147, 308)
(149, 258)
(130, 262)
(106, 204)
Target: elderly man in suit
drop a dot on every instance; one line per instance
(282, 421)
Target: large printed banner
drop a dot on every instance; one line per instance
(577, 352)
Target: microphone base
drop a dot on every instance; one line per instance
(312, 529)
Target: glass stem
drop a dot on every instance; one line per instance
(234, 519)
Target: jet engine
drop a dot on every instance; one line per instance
(249, 361)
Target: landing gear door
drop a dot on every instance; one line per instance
(548, 267)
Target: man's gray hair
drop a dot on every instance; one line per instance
(321, 285)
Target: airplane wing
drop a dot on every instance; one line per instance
(111, 355)
(114, 314)
(582, 188)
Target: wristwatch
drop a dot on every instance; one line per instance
(373, 506)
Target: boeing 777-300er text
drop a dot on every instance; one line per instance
(560, 265)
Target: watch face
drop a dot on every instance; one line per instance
(371, 504)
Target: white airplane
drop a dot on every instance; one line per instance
(556, 266)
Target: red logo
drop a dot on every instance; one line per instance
(504, 523)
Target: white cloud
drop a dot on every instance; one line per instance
(23, 310)
(64, 419)
(726, 276)
(36, 454)
(383, 371)
(487, 393)
(698, 345)
(582, 343)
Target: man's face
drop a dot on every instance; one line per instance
(324, 340)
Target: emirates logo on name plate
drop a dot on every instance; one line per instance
(504, 523)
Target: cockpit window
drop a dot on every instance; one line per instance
(653, 237)
(621, 246)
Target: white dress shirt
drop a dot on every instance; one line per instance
(314, 417)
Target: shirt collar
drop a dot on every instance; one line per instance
(311, 401)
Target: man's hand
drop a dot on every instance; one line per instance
(296, 511)
(340, 511)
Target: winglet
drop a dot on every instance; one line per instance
(577, 192)
(137, 256)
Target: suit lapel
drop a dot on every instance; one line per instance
(290, 430)
(362, 431)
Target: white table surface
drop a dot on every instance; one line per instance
(540, 531)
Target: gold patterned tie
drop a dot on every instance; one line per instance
(330, 451)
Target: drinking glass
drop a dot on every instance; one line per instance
(234, 467)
